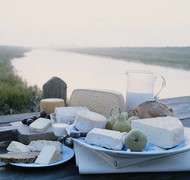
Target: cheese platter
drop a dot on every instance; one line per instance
(149, 150)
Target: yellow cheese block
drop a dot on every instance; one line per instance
(49, 104)
(98, 100)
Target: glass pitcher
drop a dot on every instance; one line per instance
(140, 88)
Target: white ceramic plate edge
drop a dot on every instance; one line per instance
(67, 154)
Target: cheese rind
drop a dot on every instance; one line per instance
(98, 100)
(87, 120)
(49, 104)
(36, 146)
(48, 155)
(40, 125)
(106, 138)
(15, 147)
(67, 114)
(165, 132)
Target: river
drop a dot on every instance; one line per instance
(85, 71)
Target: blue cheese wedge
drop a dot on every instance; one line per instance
(48, 155)
(40, 125)
(106, 138)
(17, 147)
(165, 132)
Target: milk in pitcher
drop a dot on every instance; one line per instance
(133, 99)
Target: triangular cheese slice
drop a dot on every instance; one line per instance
(48, 155)
(165, 132)
(15, 146)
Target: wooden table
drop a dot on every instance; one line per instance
(69, 171)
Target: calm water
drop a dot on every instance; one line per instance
(84, 71)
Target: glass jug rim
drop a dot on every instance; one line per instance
(139, 71)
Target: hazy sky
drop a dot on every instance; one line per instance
(95, 22)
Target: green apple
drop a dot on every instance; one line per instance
(135, 140)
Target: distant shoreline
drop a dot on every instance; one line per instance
(175, 57)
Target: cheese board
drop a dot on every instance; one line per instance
(67, 154)
(149, 151)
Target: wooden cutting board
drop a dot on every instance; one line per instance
(19, 132)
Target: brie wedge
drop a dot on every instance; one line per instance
(40, 125)
(87, 120)
(48, 155)
(15, 146)
(165, 132)
(38, 145)
(67, 115)
(106, 138)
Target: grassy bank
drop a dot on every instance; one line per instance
(15, 95)
(176, 57)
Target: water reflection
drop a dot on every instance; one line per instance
(84, 71)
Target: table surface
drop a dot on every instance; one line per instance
(69, 171)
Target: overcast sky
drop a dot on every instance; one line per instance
(95, 22)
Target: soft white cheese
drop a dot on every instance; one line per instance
(165, 132)
(98, 100)
(67, 114)
(15, 146)
(106, 138)
(48, 155)
(39, 144)
(87, 120)
(40, 125)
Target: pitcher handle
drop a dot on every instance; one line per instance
(163, 85)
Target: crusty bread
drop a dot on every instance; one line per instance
(24, 157)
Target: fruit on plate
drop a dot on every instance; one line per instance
(121, 124)
(151, 109)
(126, 115)
(111, 122)
(135, 140)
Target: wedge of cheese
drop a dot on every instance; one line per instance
(106, 138)
(49, 104)
(87, 120)
(67, 114)
(16, 147)
(40, 125)
(165, 132)
(48, 155)
(36, 146)
(99, 101)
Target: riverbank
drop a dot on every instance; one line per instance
(81, 71)
(175, 57)
(16, 96)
